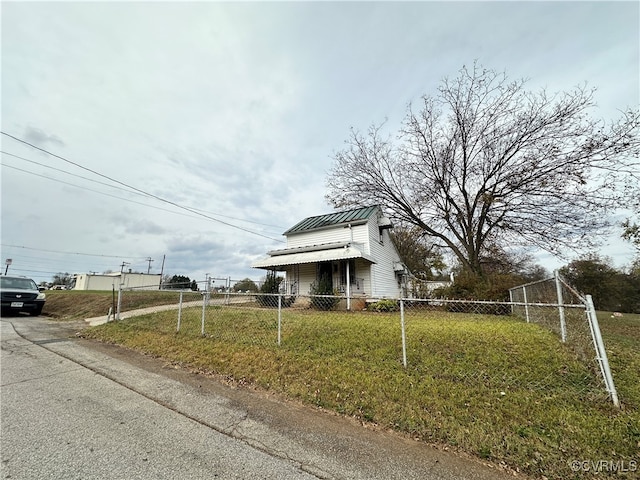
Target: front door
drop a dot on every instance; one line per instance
(325, 270)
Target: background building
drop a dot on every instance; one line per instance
(110, 281)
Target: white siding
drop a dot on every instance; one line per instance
(140, 280)
(109, 282)
(96, 282)
(383, 276)
(330, 235)
(380, 278)
(307, 275)
(363, 270)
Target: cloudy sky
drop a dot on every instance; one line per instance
(233, 110)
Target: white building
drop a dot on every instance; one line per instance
(110, 281)
(353, 248)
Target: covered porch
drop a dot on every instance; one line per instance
(348, 268)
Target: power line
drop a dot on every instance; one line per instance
(98, 192)
(35, 271)
(65, 172)
(139, 190)
(71, 253)
(19, 260)
(113, 196)
(118, 188)
(53, 258)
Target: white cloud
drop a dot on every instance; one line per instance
(236, 108)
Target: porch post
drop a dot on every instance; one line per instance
(348, 287)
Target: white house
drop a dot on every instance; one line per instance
(109, 281)
(353, 248)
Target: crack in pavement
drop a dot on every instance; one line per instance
(232, 431)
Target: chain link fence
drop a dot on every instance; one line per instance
(477, 342)
(557, 306)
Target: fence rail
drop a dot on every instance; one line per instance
(273, 319)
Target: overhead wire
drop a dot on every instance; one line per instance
(70, 253)
(69, 262)
(98, 192)
(140, 190)
(116, 187)
(34, 264)
(67, 173)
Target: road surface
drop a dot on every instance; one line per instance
(76, 409)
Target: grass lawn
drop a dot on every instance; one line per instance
(81, 304)
(496, 387)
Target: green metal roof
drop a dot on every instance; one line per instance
(331, 219)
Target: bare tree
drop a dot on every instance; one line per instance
(631, 233)
(423, 260)
(487, 162)
(630, 226)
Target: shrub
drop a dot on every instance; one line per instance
(468, 286)
(268, 293)
(271, 283)
(246, 285)
(385, 305)
(269, 288)
(319, 290)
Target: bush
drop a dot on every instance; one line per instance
(494, 287)
(269, 288)
(385, 305)
(323, 287)
(267, 300)
(246, 285)
(271, 283)
(271, 300)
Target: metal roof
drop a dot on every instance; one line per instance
(331, 219)
(309, 248)
(312, 257)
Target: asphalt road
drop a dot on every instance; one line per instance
(75, 409)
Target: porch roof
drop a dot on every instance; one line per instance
(347, 252)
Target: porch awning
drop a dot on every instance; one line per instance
(312, 257)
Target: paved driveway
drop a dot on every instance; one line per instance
(77, 409)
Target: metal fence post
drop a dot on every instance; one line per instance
(603, 359)
(119, 301)
(279, 318)
(404, 335)
(511, 301)
(204, 306)
(526, 305)
(563, 325)
(179, 311)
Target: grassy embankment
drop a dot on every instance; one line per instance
(496, 387)
(81, 304)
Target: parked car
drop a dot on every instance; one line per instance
(20, 294)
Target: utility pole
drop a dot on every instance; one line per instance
(149, 259)
(161, 272)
